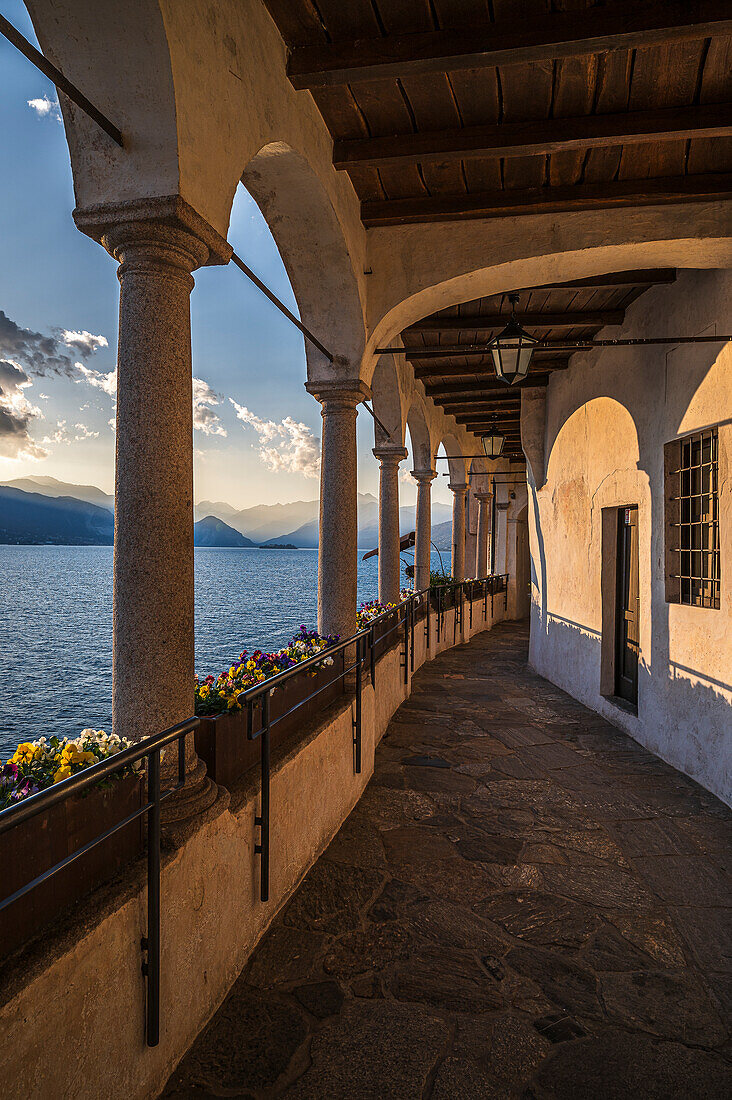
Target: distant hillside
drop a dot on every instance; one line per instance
(51, 487)
(35, 519)
(368, 526)
(442, 536)
(211, 531)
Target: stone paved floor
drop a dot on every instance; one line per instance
(525, 903)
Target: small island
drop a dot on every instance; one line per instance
(278, 546)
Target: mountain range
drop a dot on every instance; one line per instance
(46, 510)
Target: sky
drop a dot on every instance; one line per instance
(257, 431)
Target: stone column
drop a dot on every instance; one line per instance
(389, 560)
(458, 531)
(481, 547)
(337, 562)
(423, 528)
(158, 245)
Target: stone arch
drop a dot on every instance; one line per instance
(422, 454)
(386, 400)
(456, 464)
(433, 271)
(308, 235)
(86, 40)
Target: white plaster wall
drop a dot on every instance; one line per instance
(607, 419)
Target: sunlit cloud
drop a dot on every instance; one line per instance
(84, 342)
(99, 379)
(45, 107)
(66, 435)
(284, 446)
(205, 420)
(17, 414)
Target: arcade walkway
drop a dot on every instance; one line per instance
(524, 904)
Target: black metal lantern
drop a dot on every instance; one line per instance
(512, 349)
(492, 444)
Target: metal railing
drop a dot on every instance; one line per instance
(359, 652)
(150, 750)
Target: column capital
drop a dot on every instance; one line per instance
(346, 393)
(483, 497)
(424, 477)
(390, 456)
(165, 224)
(457, 489)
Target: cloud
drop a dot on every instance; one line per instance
(64, 434)
(204, 400)
(405, 476)
(286, 446)
(33, 351)
(98, 379)
(17, 414)
(45, 107)
(84, 342)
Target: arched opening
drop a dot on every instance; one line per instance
(310, 239)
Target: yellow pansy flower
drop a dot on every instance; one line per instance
(62, 773)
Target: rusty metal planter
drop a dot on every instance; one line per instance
(35, 846)
(222, 740)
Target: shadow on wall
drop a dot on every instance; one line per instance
(697, 703)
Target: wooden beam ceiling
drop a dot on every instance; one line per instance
(483, 322)
(449, 369)
(442, 351)
(487, 388)
(537, 137)
(540, 38)
(616, 279)
(548, 200)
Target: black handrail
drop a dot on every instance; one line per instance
(151, 748)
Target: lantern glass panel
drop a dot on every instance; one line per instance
(492, 444)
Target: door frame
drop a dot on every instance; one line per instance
(609, 600)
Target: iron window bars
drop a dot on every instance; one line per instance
(692, 516)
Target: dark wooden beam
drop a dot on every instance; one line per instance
(450, 369)
(540, 38)
(618, 194)
(487, 389)
(457, 408)
(538, 137)
(477, 322)
(641, 278)
(444, 351)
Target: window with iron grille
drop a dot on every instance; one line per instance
(692, 520)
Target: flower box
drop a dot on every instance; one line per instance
(449, 597)
(222, 741)
(388, 632)
(29, 849)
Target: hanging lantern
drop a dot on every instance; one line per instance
(512, 349)
(492, 444)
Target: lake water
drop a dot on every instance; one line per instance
(56, 625)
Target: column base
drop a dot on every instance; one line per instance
(199, 801)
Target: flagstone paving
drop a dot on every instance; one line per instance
(525, 903)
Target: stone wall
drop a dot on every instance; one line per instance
(72, 1005)
(607, 420)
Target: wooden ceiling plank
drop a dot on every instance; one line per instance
(546, 200)
(517, 139)
(510, 42)
(482, 322)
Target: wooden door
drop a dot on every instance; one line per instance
(627, 633)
